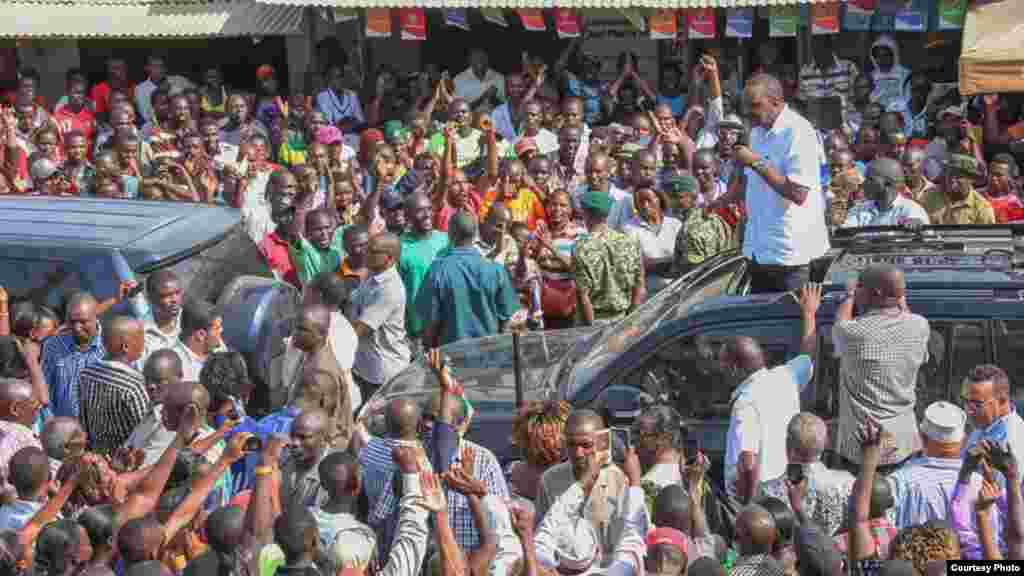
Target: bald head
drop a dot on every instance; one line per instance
(462, 228)
(120, 334)
(755, 531)
(884, 285)
(403, 418)
(56, 433)
(316, 419)
(15, 390)
(318, 315)
(583, 421)
(598, 161)
(744, 352)
(887, 168)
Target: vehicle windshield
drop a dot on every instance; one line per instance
(485, 368)
(614, 339)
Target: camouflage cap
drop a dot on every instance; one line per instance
(963, 164)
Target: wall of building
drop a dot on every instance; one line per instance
(51, 58)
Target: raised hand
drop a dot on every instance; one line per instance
(433, 493)
(461, 482)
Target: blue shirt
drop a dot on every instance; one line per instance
(15, 515)
(922, 490)
(590, 94)
(63, 361)
(466, 296)
(867, 213)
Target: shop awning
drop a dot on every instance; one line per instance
(513, 4)
(992, 53)
(135, 19)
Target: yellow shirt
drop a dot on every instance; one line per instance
(972, 210)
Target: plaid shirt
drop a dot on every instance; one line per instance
(484, 466)
(63, 361)
(757, 565)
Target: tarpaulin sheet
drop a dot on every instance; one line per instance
(992, 56)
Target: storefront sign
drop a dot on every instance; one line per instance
(700, 23)
(783, 21)
(378, 22)
(567, 23)
(825, 18)
(414, 23)
(951, 14)
(662, 24)
(532, 19)
(739, 22)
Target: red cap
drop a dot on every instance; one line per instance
(669, 536)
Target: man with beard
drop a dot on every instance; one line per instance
(604, 484)
(240, 127)
(570, 140)
(468, 141)
(275, 244)
(918, 187)
(65, 355)
(421, 245)
(164, 295)
(76, 116)
(886, 201)
(1003, 190)
(961, 203)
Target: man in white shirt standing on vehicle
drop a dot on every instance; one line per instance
(763, 403)
(785, 227)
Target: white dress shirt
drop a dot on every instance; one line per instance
(866, 213)
(469, 87)
(778, 231)
(761, 409)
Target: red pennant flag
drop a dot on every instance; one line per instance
(533, 19)
(567, 23)
(700, 23)
(378, 22)
(414, 23)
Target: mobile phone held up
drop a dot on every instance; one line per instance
(795, 473)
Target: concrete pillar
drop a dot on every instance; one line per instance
(299, 51)
(52, 58)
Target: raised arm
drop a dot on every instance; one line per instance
(201, 488)
(861, 541)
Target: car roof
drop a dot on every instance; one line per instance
(144, 232)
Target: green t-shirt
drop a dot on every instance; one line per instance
(310, 262)
(417, 256)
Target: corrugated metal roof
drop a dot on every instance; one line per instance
(135, 19)
(512, 4)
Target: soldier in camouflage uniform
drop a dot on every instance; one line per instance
(707, 233)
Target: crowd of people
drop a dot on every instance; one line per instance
(453, 208)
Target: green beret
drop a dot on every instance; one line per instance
(597, 203)
(392, 129)
(628, 150)
(963, 164)
(684, 183)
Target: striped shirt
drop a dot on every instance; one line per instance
(378, 467)
(484, 466)
(113, 401)
(963, 519)
(63, 361)
(836, 81)
(922, 489)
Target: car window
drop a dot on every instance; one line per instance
(728, 279)
(961, 344)
(686, 369)
(1010, 349)
(44, 282)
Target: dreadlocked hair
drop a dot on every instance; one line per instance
(537, 430)
(922, 544)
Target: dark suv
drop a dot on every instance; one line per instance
(968, 282)
(50, 247)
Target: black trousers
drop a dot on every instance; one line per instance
(766, 278)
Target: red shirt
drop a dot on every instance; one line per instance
(1007, 208)
(84, 121)
(442, 216)
(100, 95)
(275, 251)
